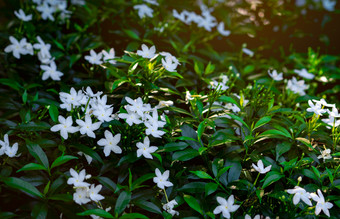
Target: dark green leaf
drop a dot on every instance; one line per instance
(62, 159)
(193, 203)
(54, 113)
(98, 212)
(271, 177)
(32, 166)
(123, 200)
(36, 151)
(22, 185)
(185, 155)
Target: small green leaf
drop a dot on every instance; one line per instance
(36, 151)
(226, 99)
(249, 69)
(131, 34)
(271, 177)
(22, 185)
(24, 97)
(149, 206)
(262, 122)
(201, 174)
(175, 146)
(140, 180)
(209, 69)
(123, 200)
(210, 188)
(32, 166)
(185, 155)
(62, 159)
(54, 113)
(282, 148)
(193, 203)
(98, 212)
(316, 172)
(222, 171)
(200, 129)
(133, 215)
(199, 68)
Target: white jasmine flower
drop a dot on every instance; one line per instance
(275, 75)
(249, 217)
(17, 48)
(321, 204)
(218, 85)
(180, 16)
(315, 108)
(329, 4)
(169, 207)
(304, 73)
(64, 127)
(331, 122)
(260, 168)
(324, 103)
(109, 56)
(94, 58)
(326, 154)
(188, 96)
(136, 105)
(248, 52)
(334, 112)
(145, 149)
(153, 2)
(226, 207)
(161, 179)
(46, 11)
(51, 72)
(87, 127)
(110, 143)
(154, 119)
(44, 54)
(167, 54)
(87, 157)
(4, 144)
(163, 104)
(93, 193)
(81, 196)
(78, 179)
(221, 30)
(206, 21)
(300, 194)
(22, 16)
(90, 93)
(168, 64)
(298, 87)
(152, 129)
(143, 10)
(131, 118)
(73, 98)
(146, 52)
(103, 115)
(12, 151)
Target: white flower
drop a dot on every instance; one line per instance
(146, 52)
(51, 72)
(78, 179)
(64, 127)
(94, 58)
(136, 105)
(260, 168)
(218, 85)
(334, 112)
(102, 114)
(275, 75)
(324, 103)
(17, 48)
(325, 154)
(4, 144)
(153, 2)
(87, 157)
(161, 179)
(248, 52)
(321, 204)
(298, 87)
(329, 4)
(110, 143)
(145, 149)
(90, 93)
(154, 119)
(81, 196)
(46, 10)
(152, 129)
(12, 151)
(188, 96)
(22, 16)
(331, 122)
(300, 194)
(143, 10)
(168, 64)
(93, 193)
(73, 98)
(87, 127)
(249, 217)
(44, 50)
(226, 207)
(163, 104)
(221, 30)
(109, 56)
(167, 54)
(304, 73)
(315, 108)
(169, 207)
(131, 118)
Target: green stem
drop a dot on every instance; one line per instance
(166, 196)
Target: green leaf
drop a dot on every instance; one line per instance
(87, 150)
(262, 122)
(185, 155)
(59, 45)
(123, 200)
(149, 206)
(175, 146)
(305, 142)
(108, 183)
(316, 172)
(273, 133)
(62, 159)
(34, 126)
(98, 212)
(24, 97)
(36, 151)
(249, 69)
(193, 187)
(17, 183)
(238, 119)
(131, 34)
(62, 197)
(32, 166)
(133, 215)
(11, 83)
(193, 203)
(271, 177)
(54, 113)
(209, 69)
(222, 171)
(200, 129)
(229, 100)
(210, 188)
(39, 211)
(198, 67)
(141, 179)
(310, 174)
(202, 175)
(282, 148)
(179, 110)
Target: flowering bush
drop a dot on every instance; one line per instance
(155, 109)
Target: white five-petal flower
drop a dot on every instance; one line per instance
(260, 168)
(300, 194)
(145, 149)
(93, 193)
(22, 16)
(226, 207)
(146, 52)
(321, 204)
(94, 58)
(64, 127)
(87, 127)
(51, 72)
(110, 143)
(78, 179)
(161, 179)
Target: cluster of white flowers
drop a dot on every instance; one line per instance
(220, 85)
(205, 20)
(302, 194)
(298, 87)
(98, 59)
(5, 148)
(84, 191)
(304, 73)
(48, 8)
(92, 105)
(138, 112)
(318, 109)
(169, 61)
(162, 182)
